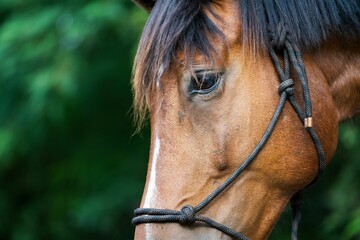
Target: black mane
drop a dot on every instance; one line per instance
(182, 25)
(308, 21)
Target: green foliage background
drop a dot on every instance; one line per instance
(69, 165)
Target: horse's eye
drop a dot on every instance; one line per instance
(204, 82)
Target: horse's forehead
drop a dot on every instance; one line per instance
(227, 18)
(225, 15)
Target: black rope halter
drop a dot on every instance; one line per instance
(281, 42)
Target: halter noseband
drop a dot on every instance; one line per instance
(280, 41)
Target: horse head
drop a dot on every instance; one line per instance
(209, 73)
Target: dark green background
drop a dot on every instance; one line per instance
(70, 167)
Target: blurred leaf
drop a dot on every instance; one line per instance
(353, 228)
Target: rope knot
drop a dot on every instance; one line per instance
(279, 35)
(188, 215)
(287, 86)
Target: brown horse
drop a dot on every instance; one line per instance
(204, 72)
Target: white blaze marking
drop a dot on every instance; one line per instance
(152, 189)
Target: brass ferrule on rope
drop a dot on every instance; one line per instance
(308, 122)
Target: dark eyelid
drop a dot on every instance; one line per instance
(205, 71)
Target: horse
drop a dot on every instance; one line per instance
(244, 98)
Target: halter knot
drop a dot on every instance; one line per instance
(278, 36)
(287, 86)
(188, 215)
